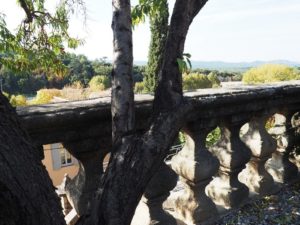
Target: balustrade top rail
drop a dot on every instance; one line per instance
(73, 120)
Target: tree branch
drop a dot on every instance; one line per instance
(27, 10)
(122, 100)
(168, 94)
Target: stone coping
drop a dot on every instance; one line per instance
(65, 121)
(209, 95)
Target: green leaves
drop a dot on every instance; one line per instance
(40, 39)
(147, 8)
(184, 63)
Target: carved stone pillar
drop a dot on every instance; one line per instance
(90, 154)
(150, 209)
(233, 154)
(296, 139)
(279, 166)
(262, 145)
(195, 165)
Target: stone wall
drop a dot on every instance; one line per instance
(246, 161)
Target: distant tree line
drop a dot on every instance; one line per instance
(78, 70)
(82, 72)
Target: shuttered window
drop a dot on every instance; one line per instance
(60, 156)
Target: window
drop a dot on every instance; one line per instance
(65, 157)
(61, 157)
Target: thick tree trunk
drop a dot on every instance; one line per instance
(27, 196)
(136, 158)
(131, 168)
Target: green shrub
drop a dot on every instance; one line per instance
(196, 81)
(213, 137)
(139, 87)
(19, 100)
(99, 83)
(237, 77)
(270, 73)
(45, 96)
(213, 77)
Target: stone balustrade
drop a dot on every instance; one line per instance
(247, 159)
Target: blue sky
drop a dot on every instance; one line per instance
(227, 30)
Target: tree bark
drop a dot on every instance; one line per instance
(122, 99)
(27, 196)
(136, 158)
(168, 94)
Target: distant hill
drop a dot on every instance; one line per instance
(228, 66)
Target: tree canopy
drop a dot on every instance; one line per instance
(41, 37)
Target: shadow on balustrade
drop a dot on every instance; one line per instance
(283, 129)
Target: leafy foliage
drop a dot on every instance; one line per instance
(184, 63)
(213, 78)
(158, 12)
(139, 87)
(45, 96)
(150, 8)
(222, 75)
(79, 69)
(270, 73)
(99, 83)
(159, 31)
(22, 82)
(213, 137)
(40, 39)
(195, 81)
(19, 100)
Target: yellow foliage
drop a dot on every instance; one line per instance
(73, 93)
(19, 100)
(44, 96)
(139, 87)
(270, 73)
(99, 83)
(5, 94)
(213, 77)
(76, 85)
(196, 81)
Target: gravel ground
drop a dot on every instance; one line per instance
(280, 209)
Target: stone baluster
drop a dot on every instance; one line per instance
(195, 165)
(151, 205)
(262, 145)
(90, 154)
(233, 154)
(279, 166)
(296, 138)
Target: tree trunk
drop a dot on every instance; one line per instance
(136, 158)
(122, 99)
(169, 91)
(27, 194)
